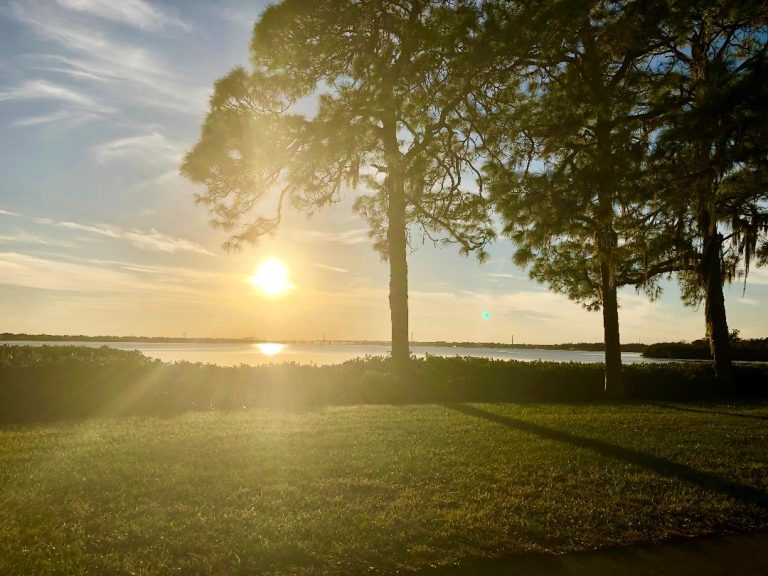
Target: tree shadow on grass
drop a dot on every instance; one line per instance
(743, 555)
(712, 412)
(743, 493)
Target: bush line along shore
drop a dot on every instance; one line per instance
(52, 383)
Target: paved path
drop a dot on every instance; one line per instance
(744, 555)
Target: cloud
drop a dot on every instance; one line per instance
(349, 238)
(153, 147)
(34, 272)
(168, 180)
(244, 16)
(100, 230)
(24, 238)
(144, 239)
(71, 118)
(129, 72)
(91, 277)
(331, 268)
(748, 301)
(758, 276)
(61, 65)
(78, 107)
(8, 213)
(152, 239)
(159, 242)
(136, 13)
(357, 236)
(42, 89)
(503, 275)
(167, 274)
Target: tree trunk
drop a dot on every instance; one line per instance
(398, 275)
(607, 189)
(614, 386)
(397, 245)
(714, 312)
(710, 270)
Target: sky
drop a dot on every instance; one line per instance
(100, 235)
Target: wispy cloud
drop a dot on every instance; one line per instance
(70, 118)
(76, 106)
(167, 180)
(92, 277)
(44, 90)
(171, 273)
(144, 239)
(503, 275)
(244, 16)
(349, 237)
(136, 13)
(758, 276)
(749, 301)
(331, 268)
(153, 147)
(159, 242)
(35, 272)
(131, 73)
(152, 239)
(101, 230)
(25, 238)
(357, 236)
(111, 289)
(474, 294)
(8, 213)
(60, 65)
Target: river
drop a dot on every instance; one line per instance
(255, 354)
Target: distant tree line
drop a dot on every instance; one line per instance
(744, 350)
(11, 337)
(617, 142)
(578, 346)
(587, 346)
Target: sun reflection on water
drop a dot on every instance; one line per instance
(270, 348)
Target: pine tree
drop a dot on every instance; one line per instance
(578, 208)
(711, 152)
(390, 80)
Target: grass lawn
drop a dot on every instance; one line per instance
(372, 489)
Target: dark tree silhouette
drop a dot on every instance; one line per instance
(569, 176)
(712, 150)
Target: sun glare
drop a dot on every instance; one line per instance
(270, 348)
(271, 277)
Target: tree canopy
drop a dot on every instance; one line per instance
(570, 181)
(711, 152)
(620, 140)
(389, 83)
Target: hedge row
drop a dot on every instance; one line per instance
(51, 383)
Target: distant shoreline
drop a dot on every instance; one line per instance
(580, 346)
(743, 350)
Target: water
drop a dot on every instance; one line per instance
(255, 354)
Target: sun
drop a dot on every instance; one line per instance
(271, 277)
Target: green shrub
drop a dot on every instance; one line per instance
(50, 383)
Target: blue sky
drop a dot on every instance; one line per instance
(99, 234)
